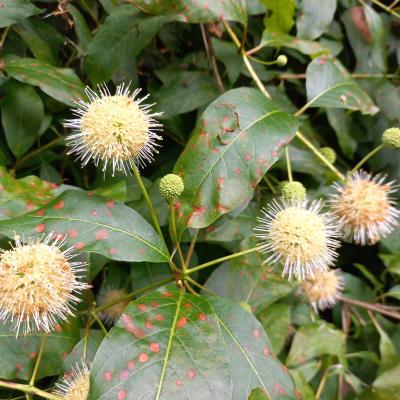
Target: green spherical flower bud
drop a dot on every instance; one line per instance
(391, 138)
(293, 191)
(329, 154)
(282, 60)
(171, 186)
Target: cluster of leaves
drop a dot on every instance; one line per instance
(225, 137)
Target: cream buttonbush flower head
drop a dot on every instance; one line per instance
(75, 384)
(298, 235)
(106, 296)
(364, 207)
(38, 284)
(117, 130)
(323, 290)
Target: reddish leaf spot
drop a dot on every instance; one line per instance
(40, 212)
(40, 228)
(121, 395)
(256, 332)
(30, 205)
(221, 208)
(237, 171)
(154, 347)
(59, 205)
(57, 328)
(131, 364)
(102, 234)
(79, 245)
(182, 322)
(73, 233)
(247, 157)
(142, 307)
(124, 375)
(95, 213)
(191, 374)
(110, 203)
(159, 317)
(143, 357)
(202, 317)
(108, 376)
(149, 325)
(33, 355)
(188, 305)
(266, 351)
(58, 236)
(179, 383)
(274, 154)
(154, 304)
(112, 251)
(167, 294)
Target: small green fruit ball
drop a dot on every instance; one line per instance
(391, 138)
(293, 191)
(282, 60)
(171, 186)
(329, 154)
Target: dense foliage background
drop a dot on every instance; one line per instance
(342, 62)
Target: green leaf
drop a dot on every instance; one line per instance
(315, 18)
(19, 196)
(227, 53)
(145, 274)
(59, 83)
(330, 85)
(275, 39)
(93, 224)
(173, 345)
(280, 15)
(80, 26)
(197, 11)
(186, 92)
(22, 114)
(236, 140)
(387, 385)
(14, 11)
(315, 340)
(258, 394)
(18, 355)
(124, 34)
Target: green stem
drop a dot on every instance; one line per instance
(269, 184)
(175, 238)
(288, 165)
(39, 359)
(368, 156)
(386, 8)
(132, 294)
(319, 155)
(30, 390)
(148, 201)
(254, 75)
(222, 259)
(100, 322)
(322, 384)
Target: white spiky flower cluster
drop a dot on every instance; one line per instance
(106, 296)
(75, 384)
(114, 129)
(299, 235)
(38, 284)
(364, 207)
(324, 289)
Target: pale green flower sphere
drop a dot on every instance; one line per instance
(171, 186)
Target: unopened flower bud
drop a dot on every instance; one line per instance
(282, 60)
(329, 154)
(171, 186)
(391, 138)
(293, 191)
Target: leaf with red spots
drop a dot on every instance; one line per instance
(330, 85)
(92, 224)
(19, 196)
(18, 355)
(173, 345)
(197, 11)
(235, 142)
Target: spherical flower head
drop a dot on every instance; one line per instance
(75, 384)
(108, 295)
(391, 138)
(117, 130)
(299, 236)
(171, 186)
(293, 191)
(281, 60)
(38, 284)
(329, 154)
(364, 207)
(323, 290)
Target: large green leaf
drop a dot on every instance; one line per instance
(315, 18)
(60, 83)
(22, 114)
(275, 39)
(173, 345)
(236, 140)
(124, 34)
(197, 11)
(13, 11)
(93, 224)
(18, 355)
(330, 85)
(279, 17)
(19, 196)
